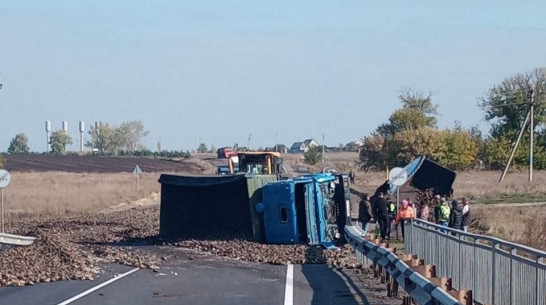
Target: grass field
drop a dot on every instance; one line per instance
(56, 193)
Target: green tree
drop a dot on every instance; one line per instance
(100, 137)
(202, 148)
(2, 160)
(351, 146)
(417, 111)
(411, 143)
(59, 140)
(461, 149)
(19, 145)
(313, 155)
(111, 139)
(372, 154)
(129, 135)
(507, 104)
(413, 120)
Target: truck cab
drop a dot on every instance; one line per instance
(310, 209)
(256, 162)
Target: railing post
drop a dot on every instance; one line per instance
(412, 239)
(474, 270)
(493, 272)
(536, 277)
(460, 262)
(512, 252)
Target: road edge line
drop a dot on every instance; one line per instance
(88, 291)
(289, 286)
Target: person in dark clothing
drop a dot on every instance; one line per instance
(456, 215)
(437, 205)
(373, 201)
(365, 213)
(381, 213)
(352, 177)
(391, 213)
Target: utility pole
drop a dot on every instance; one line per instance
(514, 148)
(276, 142)
(249, 139)
(531, 95)
(322, 159)
(528, 119)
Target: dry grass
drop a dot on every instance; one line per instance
(485, 185)
(526, 225)
(61, 192)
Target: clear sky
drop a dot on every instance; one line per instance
(218, 71)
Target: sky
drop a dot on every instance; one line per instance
(254, 72)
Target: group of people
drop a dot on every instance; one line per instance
(385, 212)
(455, 215)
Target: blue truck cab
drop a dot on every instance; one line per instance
(310, 209)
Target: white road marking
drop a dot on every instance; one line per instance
(81, 295)
(289, 288)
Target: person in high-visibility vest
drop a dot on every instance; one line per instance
(443, 214)
(406, 212)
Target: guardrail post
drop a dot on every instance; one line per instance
(463, 296)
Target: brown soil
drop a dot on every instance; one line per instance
(96, 164)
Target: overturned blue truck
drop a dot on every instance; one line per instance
(311, 209)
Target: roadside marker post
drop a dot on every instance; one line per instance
(137, 171)
(5, 179)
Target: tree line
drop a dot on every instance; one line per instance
(105, 139)
(411, 131)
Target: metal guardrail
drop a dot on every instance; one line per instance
(18, 240)
(498, 272)
(418, 287)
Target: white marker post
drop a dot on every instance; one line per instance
(137, 171)
(5, 179)
(397, 177)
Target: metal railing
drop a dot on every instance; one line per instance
(418, 287)
(498, 272)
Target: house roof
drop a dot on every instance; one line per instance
(296, 145)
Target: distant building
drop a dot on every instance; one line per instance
(278, 148)
(303, 147)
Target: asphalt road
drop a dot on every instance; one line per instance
(184, 279)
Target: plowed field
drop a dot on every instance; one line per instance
(95, 164)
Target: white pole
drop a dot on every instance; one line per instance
(2, 210)
(397, 206)
(531, 136)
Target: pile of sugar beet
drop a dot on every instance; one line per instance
(74, 247)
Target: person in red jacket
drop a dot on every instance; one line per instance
(406, 212)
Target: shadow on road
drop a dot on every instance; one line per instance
(330, 285)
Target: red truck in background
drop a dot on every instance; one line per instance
(223, 152)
